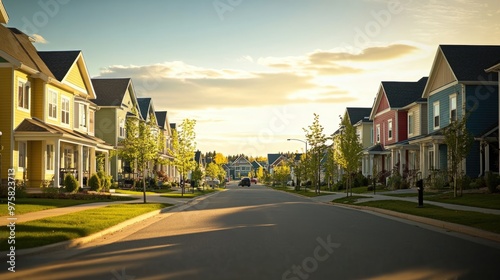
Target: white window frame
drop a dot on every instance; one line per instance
(431, 158)
(122, 133)
(22, 150)
(390, 132)
(82, 118)
(436, 115)
(65, 112)
(25, 95)
(377, 133)
(411, 124)
(53, 101)
(49, 160)
(453, 107)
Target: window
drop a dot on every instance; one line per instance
(50, 157)
(436, 114)
(83, 115)
(122, 128)
(91, 122)
(410, 124)
(378, 133)
(52, 104)
(453, 107)
(390, 129)
(22, 155)
(68, 158)
(65, 110)
(431, 160)
(23, 95)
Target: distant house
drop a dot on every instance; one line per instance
(274, 160)
(241, 167)
(165, 128)
(457, 81)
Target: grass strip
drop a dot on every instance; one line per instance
(483, 200)
(28, 205)
(489, 222)
(190, 194)
(75, 225)
(308, 193)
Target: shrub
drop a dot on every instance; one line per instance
(491, 181)
(70, 183)
(105, 180)
(95, 183)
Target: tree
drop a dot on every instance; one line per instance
(347, 151)
(212, 170)
(330, 168)
(281, 173)
(316, 139)
(220, 159)
(183, 149)
(140, 146)
(459, 142)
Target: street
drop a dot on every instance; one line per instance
(258, 233)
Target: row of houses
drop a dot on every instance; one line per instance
(403, 130)
(56, 119)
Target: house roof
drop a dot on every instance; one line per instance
(256, 164)
(110, 92)
(145, 104)
(197, 157)
(173, 125)
(469, 61)
(38, 126)
(495, 67)
(17, 48)
(273, 158)
(357, 114)
(4, 17)
(161, 118)
(400, 94)
(59, 62)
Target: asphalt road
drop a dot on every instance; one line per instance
(258, 233)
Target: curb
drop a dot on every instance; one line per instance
(428, 221)
(70, 244)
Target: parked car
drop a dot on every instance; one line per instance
(253, 180)
(244, 182)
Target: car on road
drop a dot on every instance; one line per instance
(244, 182)
(253, 180)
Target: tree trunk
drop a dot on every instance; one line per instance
(144, 185)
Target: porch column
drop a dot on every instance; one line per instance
(57, 163)
(107, 166)
(370, 164)
(487, 157)
(80, 165)
(402, 160)
(436, 156)
(423, 162)
(92, 159)
(393, 158)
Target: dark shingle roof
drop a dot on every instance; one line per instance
(400, 94)
(161, 117)
(110, 92)
(144, 105)
(358, 114)
(469, 61)
(173, 125)
(59, 62)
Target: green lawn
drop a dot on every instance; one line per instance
(27, 205)
(482, 221)
(308, 193)
(139, 192)
(70, 226)
(486, 200)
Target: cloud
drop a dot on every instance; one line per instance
(39, 39)
(368, 54)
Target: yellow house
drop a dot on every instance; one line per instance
(47, 118)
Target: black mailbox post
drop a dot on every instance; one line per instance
(420, 187)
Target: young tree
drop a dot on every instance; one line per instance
(316, 139)
(347, 151)
(140, 146)
(330, 168)
(281, 173)
(220, 159)
(183, 149)
(459, 142)
(212, 170)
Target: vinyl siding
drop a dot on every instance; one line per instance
(37, 98)
(75, 77)
(105, 125)
(443, 157)
(384, 104)
(423, 119)
(483, 103)
(384, 132)
(20, 114)
(472, 161)
(442, 75)
(367, 130)
(415, 110)
(35, 163)
(444, 106)
(401, 128)
(57, 121)
(6, 115)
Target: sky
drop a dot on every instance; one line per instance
(253, 73)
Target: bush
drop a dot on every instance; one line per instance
(105, 180)
(491, 181)
(94, 183)
(70, 183)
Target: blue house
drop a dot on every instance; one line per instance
(457, 83)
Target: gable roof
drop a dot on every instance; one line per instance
(4, 17)
(256, 164)
(273, 159)
(357, 114)
(145, 104)
(469, 61)
(17, 48)
(161, 118)
(246, 161)
(399, 94)
(60, 64)
(110, 92)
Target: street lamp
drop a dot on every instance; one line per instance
(303, 141)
